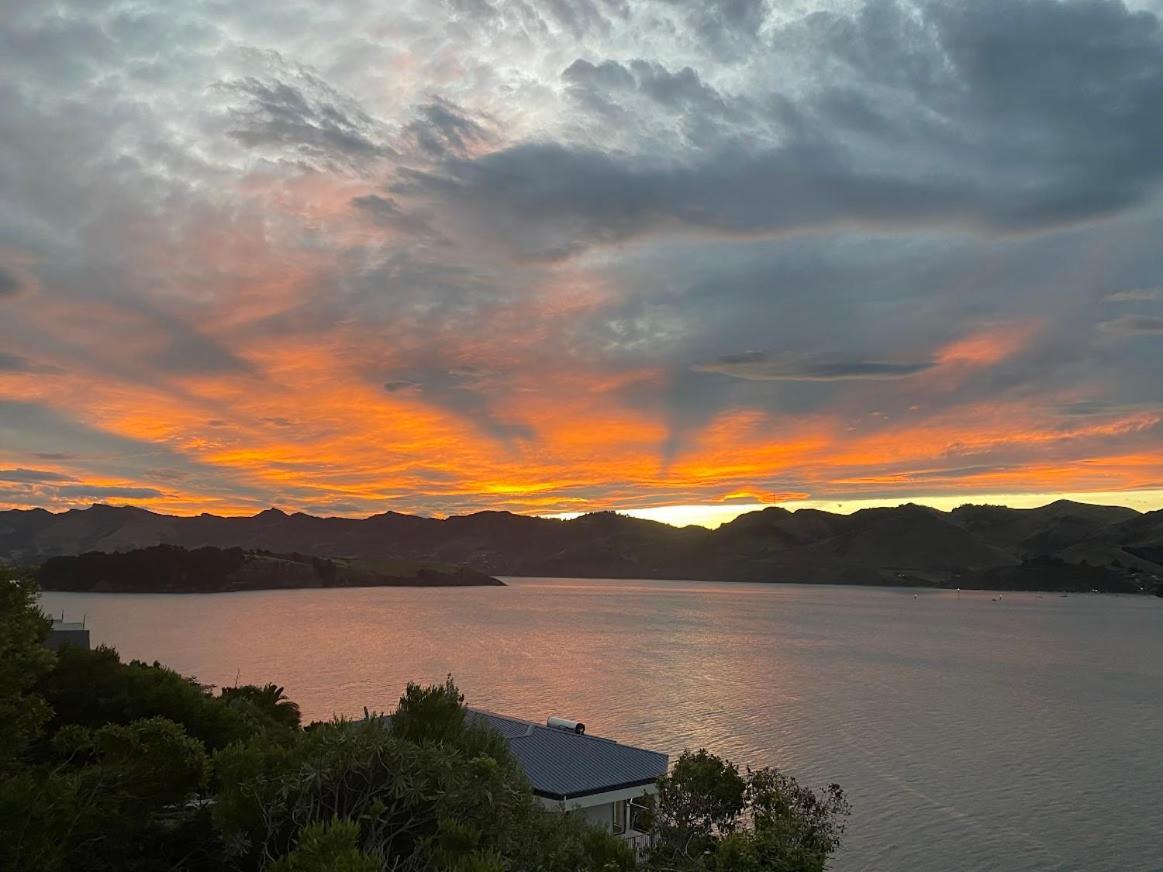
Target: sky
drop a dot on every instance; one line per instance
(677, 257)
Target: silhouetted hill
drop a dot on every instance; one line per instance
(172, 569)
(1043, 530)
(1050, 573)
(907, 544)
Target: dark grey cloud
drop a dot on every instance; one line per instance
(1134, 325)
(790, 366)
(33, 476)
(10, 362)
(467, 391)
(188, 351)
(729, 27)
(997, 117)
(550, 200)
(442, 128)
(605, 87)
(607, 76)
(576, 18)
(10, 284)
(103, 492)
(1099, 409)
(387, 212)
(400, 385)
(954, 472)
(417, 290)
(14, 363)
(30, 428)
(295, 113)
(1136, 295)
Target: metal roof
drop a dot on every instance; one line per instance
(70, 626)
(563, 765)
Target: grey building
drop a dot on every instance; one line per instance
(67, 633)
(568, 769)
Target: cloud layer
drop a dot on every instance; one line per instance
(554, 257)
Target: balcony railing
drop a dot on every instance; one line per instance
(639, 843)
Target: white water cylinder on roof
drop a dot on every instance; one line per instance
(556, 723)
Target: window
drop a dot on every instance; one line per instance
(618, 824)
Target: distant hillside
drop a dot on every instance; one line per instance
(908, 544)
(172, 569)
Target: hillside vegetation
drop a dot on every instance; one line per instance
(172, 569)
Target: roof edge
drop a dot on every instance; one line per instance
(562, 797)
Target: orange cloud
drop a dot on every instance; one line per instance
(986, 347)
(506, 407)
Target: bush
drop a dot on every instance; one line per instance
(94, 688)
(23, 662)
(709, 816)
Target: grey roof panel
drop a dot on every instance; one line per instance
(561, 764)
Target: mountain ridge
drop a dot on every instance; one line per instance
(909, 543)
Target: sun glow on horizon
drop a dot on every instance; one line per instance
(715, 515)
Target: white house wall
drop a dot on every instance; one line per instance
(596, 799)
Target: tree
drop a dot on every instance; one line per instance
(430, 714)
(269, 701)
(699, 801)
(115, 798)
(328, 847)
(23, 662)
(795, 829)
(424, 796)
(94, 688)
(709, 816)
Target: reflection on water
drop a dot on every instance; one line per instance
(1025, 734)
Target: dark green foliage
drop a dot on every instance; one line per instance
(160, 567)
(709, 816)
(452, 799)
(23, 661)
(93, 688)
(704, 792)
(1045, 572)
(269, 702)
(173, 569)
(429, 714)
(353, 772)
(329, 847)
(116, 799)
(794, 829)
(436, 714)
(157, 757)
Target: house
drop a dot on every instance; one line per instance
(64, 632)
(568, 769)
(600, 779)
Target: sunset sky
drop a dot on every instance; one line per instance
(569, 255)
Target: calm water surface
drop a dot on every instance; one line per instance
(1025, 734)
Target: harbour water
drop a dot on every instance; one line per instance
(971, 733)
